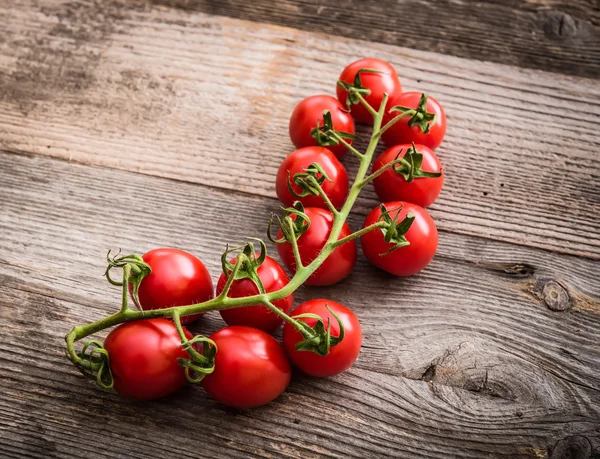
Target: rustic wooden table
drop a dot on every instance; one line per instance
(139, 124)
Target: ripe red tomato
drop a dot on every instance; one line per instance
(251, 368)
(297, 162)
(341, 356)
(391, 186)
(378, 83)
(408, 260)
(401, 132)
(143, 358)
(177, 279)
(309, 112)
(273, 278)
(337, 265)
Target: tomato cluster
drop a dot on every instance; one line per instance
(405, 188)
(151, 358)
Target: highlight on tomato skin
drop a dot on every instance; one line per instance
(308, 113)
(143, 358)
(387, 81)
(337, 266)
(392, 186)
(251, 368)
(342, 355)
(402, 133)
(336, 188)
(273, 278)
(404, 261)
(178, 278)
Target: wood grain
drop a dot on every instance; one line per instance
(465, 360)
(552, 35)
(204, 99)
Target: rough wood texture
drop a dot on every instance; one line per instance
(476, 357)
(555, 35)
(491, 352)
(207, 99)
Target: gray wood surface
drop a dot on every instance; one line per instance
(555, 35)
(207, 99)
(134, 125)
(467, 359)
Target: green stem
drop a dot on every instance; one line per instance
(340, 139)
(314, 182)
(395, 119)
(225, 302)
(125, 294)
(358, 233)
(389, 165)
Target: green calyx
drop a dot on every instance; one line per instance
(200, 363)
(395, 232)
(292, 228)
(247, 263)
(138, 269)
(326, 135)
(309, 181)
(421, 117)
(93, 363)
(318, 338)
(356, 87)
(410, 168)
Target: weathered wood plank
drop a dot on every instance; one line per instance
(551, 35)
(205, 99)
(464, 360)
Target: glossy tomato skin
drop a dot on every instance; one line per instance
(143, 358)
(177, 279)
(337, 265)
(391, 186)
(341, 356)
(273, 278)
(401, 132)
(297, 161)
(309, 111)
(251, 368)
(408, 260)
(379, 83)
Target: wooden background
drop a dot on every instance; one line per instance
(143, 124)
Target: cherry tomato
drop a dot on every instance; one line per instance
(378, 83)
(273, 278)
(251, 368)
(407, 260)
(309, 112)
(401, 132)
(337, 265)
(341, 356)
(298, 161)
(143, 358)
(177, 279)
(392, 186)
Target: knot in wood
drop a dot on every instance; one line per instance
(573, 447)
(556, 296)
(560, 26)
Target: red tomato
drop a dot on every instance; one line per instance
(341, 356)
(408, 260)
(177, 279)
(337, 265)
(273, 278)
(401, 132)
(391, 186)
(298, 161)
(251, 368)
(378, 83)
(309, 112)
(143, 358)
